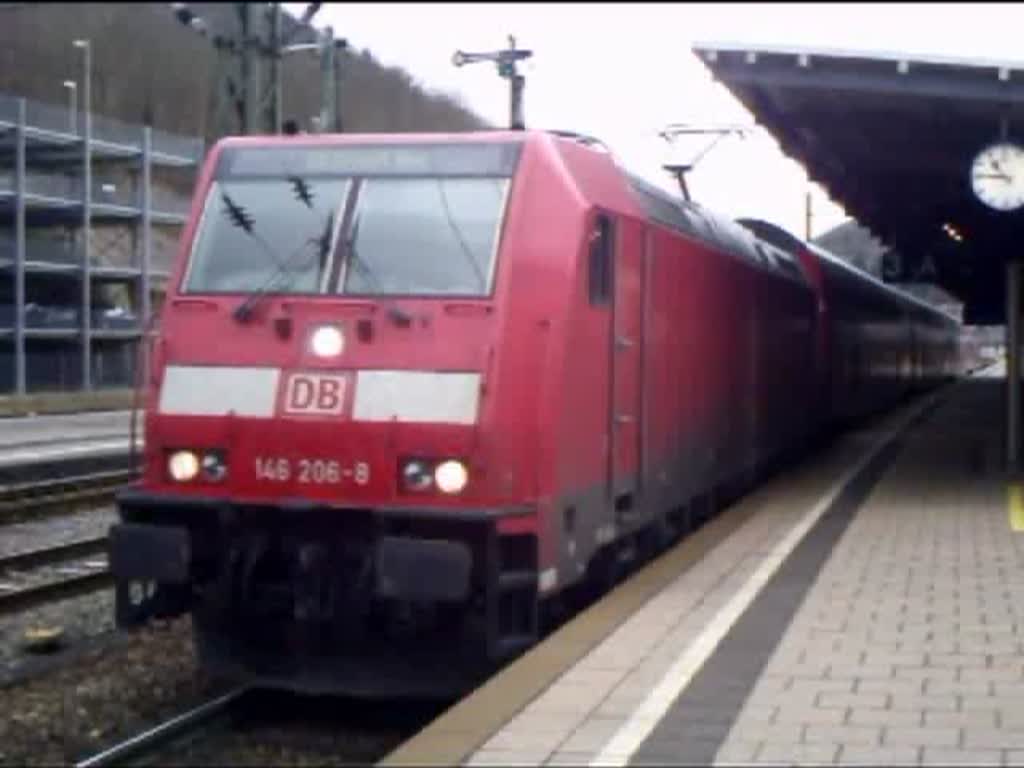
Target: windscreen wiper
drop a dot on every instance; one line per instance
(243, 311)
(398, 315)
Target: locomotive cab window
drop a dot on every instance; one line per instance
(416, 220)
(601, 260)
(259, 231)
(418, 236)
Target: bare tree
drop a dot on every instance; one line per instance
(146, 64)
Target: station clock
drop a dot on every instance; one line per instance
(997, 176)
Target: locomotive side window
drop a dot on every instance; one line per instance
(601, 259)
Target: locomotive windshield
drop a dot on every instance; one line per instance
(424, 236)
(377, 221)
(253, 229)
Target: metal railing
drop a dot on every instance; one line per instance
(54, 317)
(49, 117)
(69, 188)
(45, 335)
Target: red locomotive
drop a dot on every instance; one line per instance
(407, 388)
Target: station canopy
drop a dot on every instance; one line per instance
(892, 139)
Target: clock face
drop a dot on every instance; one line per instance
(997, 176)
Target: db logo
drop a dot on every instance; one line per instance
(313, 393)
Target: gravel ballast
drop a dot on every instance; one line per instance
(52, 531)
(108, 688)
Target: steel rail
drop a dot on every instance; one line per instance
(159, 735)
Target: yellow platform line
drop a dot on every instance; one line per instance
(1015, 505)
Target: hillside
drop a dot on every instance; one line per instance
(147, 65)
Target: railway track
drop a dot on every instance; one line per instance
(29, 579)
(31, 498)
(152, 740)
(58, 473)
(249, 726)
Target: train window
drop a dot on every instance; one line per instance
(601, 259)
(256, 232)
(420, 236)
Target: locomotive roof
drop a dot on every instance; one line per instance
(867, 277)
(781, 237)
(696, 221)
(760, 235)
(752, 240)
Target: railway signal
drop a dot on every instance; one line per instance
(506, 63)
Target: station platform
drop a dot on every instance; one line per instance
(27, 440)
(864, 607)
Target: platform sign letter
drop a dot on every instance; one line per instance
(314, 394)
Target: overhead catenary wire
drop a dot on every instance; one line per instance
(252, 83)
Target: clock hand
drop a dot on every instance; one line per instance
(1002, 176)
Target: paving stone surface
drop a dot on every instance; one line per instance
(903, 647)
(912, 631)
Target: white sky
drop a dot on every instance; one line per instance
(622, 72)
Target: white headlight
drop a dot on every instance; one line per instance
(183, 465)
(451, 476)
(327, 341)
